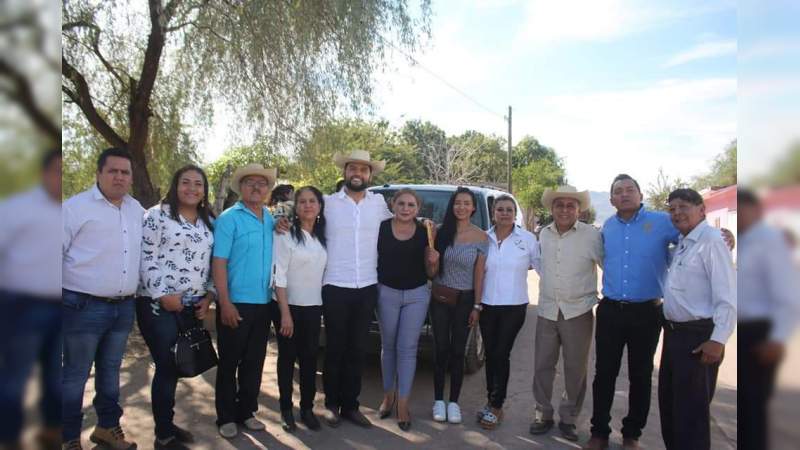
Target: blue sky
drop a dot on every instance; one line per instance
(613, 85)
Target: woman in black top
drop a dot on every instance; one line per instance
(405, 262)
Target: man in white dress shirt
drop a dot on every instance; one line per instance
(349, 291)
(700, 315)
(30, 295)
(769, 309)
(100, 273)
(571, 253)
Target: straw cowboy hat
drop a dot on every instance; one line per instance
(253, 170)
(566, 191)
(359, 156)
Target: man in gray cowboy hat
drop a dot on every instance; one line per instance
(571, 253)
(349, 292)
(241, 269)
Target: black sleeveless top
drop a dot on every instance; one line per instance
(401, 264)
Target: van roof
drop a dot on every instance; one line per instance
(443, 187)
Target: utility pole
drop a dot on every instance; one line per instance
(509, 149)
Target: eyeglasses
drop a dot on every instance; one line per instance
(255, 184)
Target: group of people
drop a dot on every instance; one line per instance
(345, 256)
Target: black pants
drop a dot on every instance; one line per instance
(450, 330)
(686, 387)
(637, 326)
(159, 329)
(348, 313)
(499, 328)
(756, 382)
(303, 347)
(241, 362)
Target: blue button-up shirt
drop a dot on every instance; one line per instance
(246, 242)
(637, 255)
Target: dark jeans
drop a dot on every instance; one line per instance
(241, 361)
(686, 387)
(303, 347)
(95, 332)
(637, 326)
(499, 328)
(30, 332)
(348, 313)
(450, 331)
(756, 384)
(160, 331)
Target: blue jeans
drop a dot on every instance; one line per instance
(95, 332)
(159, 329)
(30, 332)
(401, 314)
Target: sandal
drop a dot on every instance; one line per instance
(490, 420)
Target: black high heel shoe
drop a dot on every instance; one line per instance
(387, 412)
(404, 425)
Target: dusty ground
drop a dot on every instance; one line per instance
(195, 408)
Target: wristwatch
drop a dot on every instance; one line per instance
(478, 307)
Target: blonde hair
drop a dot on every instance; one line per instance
(408, 191)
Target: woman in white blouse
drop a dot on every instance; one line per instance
(512, 252)
(175, 288)
(300, 259)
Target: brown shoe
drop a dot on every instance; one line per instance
(112, 438)
(596, 443)
(49, 438)
(74, 444)
(630, 444)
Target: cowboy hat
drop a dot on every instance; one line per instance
(253, 170)
(566, 191)
(359, 156)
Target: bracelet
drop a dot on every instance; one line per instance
(478, 307)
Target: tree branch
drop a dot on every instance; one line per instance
(83, 98)
(22, 95)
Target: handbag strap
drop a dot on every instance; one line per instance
(181, 322)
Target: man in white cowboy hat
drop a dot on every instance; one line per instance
(571, 252)
(241, 268)
(349, 291)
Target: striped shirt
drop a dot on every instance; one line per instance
(459, 264)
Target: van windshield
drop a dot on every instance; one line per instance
(434, 205)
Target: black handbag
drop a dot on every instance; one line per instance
(193, 350)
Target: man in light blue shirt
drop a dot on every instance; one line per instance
(241, 267)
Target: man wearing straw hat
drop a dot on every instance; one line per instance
(241, 268)
(349, 291)
(571, 253)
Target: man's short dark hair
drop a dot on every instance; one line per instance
(112, 151)
(747, 197)
(622, 177)
(50, 156)
(687, 195)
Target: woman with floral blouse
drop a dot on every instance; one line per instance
(175, 288)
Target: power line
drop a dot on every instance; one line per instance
(443, 80)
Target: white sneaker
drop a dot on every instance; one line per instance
(254, 424)
(482, 412)
(228, 430)
(453, 412)
(439, 413)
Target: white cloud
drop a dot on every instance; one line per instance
(768, 48)
(703, 50)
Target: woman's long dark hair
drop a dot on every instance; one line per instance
(447, 232)
(319, 225)
(203, 210)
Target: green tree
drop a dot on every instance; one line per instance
(722, 172)
(657, 193)
(528, 150)
(285, 67)
(485, 154)
(535, 168)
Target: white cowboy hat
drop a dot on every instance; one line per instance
(253, 170)
(566, 191)
(359, 156)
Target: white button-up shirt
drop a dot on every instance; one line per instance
(351, 233)
(568, 277)
(701, 282)
(29, 259)
(768, 285)
(299, 268)
(101, 244)
(507, 265)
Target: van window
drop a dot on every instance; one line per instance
(434, 205)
